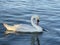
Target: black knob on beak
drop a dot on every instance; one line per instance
(38, 20)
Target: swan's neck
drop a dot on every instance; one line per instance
(34, 25)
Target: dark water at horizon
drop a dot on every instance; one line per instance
(20, 11)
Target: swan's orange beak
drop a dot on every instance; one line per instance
(38, 21)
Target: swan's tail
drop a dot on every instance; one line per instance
(5, 25)
(10, 29)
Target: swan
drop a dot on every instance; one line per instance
(34, 27)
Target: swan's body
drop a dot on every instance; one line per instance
(24, 27)
(27, 28)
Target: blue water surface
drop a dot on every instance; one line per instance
(20, 11)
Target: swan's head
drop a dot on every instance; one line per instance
(36, 18)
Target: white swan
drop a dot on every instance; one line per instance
(24, 27)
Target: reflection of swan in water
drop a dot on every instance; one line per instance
(24, 27)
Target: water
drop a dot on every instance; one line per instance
(20, 11)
